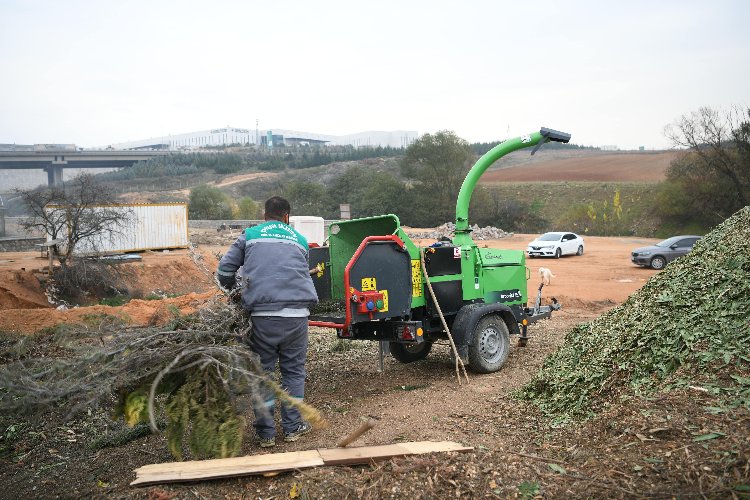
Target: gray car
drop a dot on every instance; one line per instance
(659, 255)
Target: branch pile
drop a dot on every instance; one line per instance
(687, 326)
(197, 374)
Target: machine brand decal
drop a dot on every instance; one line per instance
(457, 253)
(385, 300)
(491, 256)
(369, 284)
(416, 278)
(504, 296)
(509, 295)
(525, 139)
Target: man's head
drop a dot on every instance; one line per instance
(277, 208)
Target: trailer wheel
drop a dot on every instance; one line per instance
(408, 353)
(490, 344)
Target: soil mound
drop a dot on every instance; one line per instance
(21, 290)
(688, 325)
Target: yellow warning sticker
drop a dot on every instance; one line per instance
(369, 284)
(385, 300)
(416, 278)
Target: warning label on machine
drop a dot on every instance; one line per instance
(369, 284)
(416, 278)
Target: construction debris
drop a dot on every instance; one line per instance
(280, 462)
(448, 229)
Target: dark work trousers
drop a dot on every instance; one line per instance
(284, 339)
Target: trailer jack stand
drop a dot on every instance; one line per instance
(523, 339)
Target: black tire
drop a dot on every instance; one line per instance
(408, 353)
(580, 250)
(558, 253)
(658, 262)
(490, 344)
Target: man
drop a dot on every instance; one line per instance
(277, 290)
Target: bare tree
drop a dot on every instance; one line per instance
(719, 143)
(82, 211)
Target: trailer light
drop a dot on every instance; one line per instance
(420, 332)
(525, 322)
(406, 334)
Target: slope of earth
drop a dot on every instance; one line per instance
(24, 307)
(619, 167)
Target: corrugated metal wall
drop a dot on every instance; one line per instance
(150, 227)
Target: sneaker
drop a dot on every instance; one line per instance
(302, 429)
(266, 442)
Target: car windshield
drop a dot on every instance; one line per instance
(669, 241)
(550, 237)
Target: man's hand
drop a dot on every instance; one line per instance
(317, 269)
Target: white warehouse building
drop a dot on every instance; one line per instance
(276, 137)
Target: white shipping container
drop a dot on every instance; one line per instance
(150, 227)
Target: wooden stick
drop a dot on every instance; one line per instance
(366, 426)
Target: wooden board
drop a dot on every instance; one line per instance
(365, 454)
(199, 470)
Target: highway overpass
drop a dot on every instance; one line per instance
(53, 162)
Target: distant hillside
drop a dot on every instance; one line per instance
(594, 166)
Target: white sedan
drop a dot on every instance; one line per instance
(555, 245)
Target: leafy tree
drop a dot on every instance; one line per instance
(306, 198)
(248, 209)
(81, 212)
(437, 164)
(713, 177)
(209, 202)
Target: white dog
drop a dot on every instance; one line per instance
(546, 275)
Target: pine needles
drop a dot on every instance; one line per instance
(198, 374)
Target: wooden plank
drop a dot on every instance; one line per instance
(365, 454)
(279, 462)
(198, 470)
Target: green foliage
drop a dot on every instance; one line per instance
(209, 202)
(248, 209)
(121, 437)
(601, 218)
(160, 166)
(688, 325)
(712, 179)
(306, 198)
(201, 413)
(117, 300)
(437, 165)
(219, 163)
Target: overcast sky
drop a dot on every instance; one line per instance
(98, 72)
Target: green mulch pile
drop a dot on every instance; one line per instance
(688, 326)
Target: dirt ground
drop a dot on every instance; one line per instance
(625, 167)
(645, 449)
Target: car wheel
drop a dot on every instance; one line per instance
(490, 344)
(580, 250)
(558, 253)
(658, 262)
(408, 353)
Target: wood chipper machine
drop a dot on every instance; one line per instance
(374, 279)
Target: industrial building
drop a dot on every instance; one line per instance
(271, 138)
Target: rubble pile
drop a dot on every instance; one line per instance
(448, 229)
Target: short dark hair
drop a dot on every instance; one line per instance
(277, 207)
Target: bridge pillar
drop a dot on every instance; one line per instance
(54, 175)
